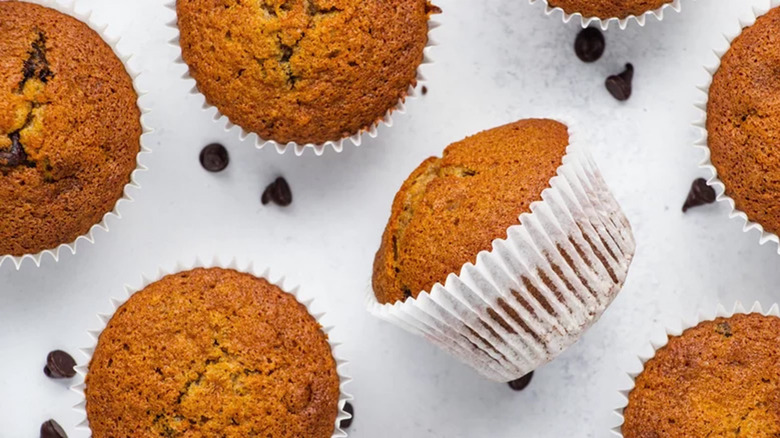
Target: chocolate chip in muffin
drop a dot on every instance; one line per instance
(619, 86)
(701, 194)
(278, 192)
(52, 429)
(589, 44)
(521, 383)
(348, 408)
(214, 157)
(59, 365)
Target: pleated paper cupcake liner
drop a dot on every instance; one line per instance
(116, 303)
(69, 8)
(720, 312)
(299, 149)
(537, 291)
(701, 124)
(604, 23)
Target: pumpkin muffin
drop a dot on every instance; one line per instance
(212, 352)
(304, 71)
(743, 121)
(606, 9)
(454, 207)
(69, 128)
(720, 378)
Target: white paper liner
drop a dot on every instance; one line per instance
(248, 268)
(318, 149)
(69, 7)
(701, 124)
(720, 312)
(604, 23)
(490, 316)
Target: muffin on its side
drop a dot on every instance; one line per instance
(304, 71)
(720, 378)
(606, 9)
(69, 128)
(212, 352)
(743, 121)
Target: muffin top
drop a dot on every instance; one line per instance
(606, 9)
(304, 71)
(212, 352)
(743, 121)
(69, 128)
(452, 208)
(720, 378)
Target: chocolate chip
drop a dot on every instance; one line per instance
(701, 194)
(521, 383)
(424, 90)
(619, 86)
(348, 408)
(214, 157)
(59, 365)
(15, 156)
(278, 192)
(52, 429)
(589, 45)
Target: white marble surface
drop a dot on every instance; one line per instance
(498, 61)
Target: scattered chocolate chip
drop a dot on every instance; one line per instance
(278, 192)
(724, 329)
(345, 423)
(59, 365)
(52, 429)
(589, 45)
(424, 90)
(521, 383)
(619, 86)
(214, 157)
(700, 194)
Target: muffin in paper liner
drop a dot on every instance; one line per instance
(720, 312)
(714, 181)
(248, 268)
(536, 291)
(299, 149)
(69, 8)
(604, 23)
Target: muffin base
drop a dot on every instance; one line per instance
(604, 23)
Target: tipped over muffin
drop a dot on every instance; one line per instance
(69, 128)
(606, 9)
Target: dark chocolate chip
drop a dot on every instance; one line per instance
(424, 90)
(15, 156)
(52, 429)
(521, 383)
(589, 45)
(59, 365)
(277, 192)
(345, 423)
(701, 194)
(619, 86)
(214, 157)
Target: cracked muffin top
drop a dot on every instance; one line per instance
(212, 352)
(720, 378)
(304, 71)
(606, 9)
(69, 128)
(452, 208)
(743, 121)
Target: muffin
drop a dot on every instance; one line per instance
(606, 9)
(743, 121)
(720, 378)
(304, 71)
(504, 250)
(69, 128)
(212, 352)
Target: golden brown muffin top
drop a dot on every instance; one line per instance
(719, 379)
(212, 352)
(606, 9)
(452, 208)
(743, 121)
(69, 128)
(304, 71)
